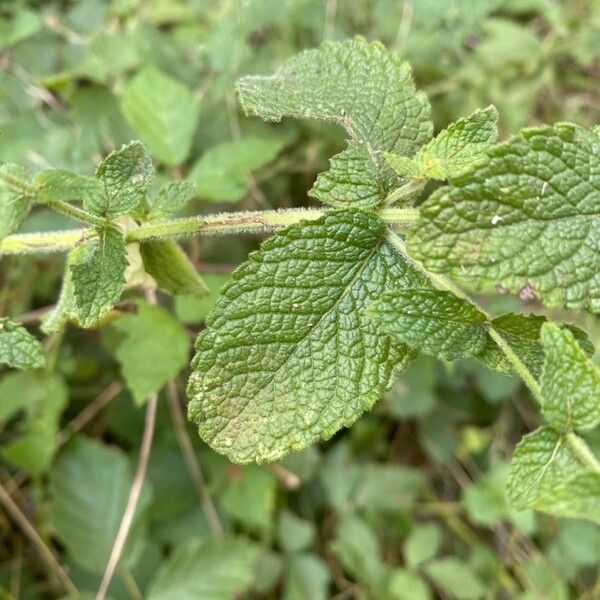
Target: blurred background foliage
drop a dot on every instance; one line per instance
(408, 504)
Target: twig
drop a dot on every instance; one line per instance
(29, 530)
(89, 412)
(133, 500)
(290, 480)
(191, 461)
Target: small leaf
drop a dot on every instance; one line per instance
(548, 474)
(215, 569)
(406, 585)
(15, 197)
(455, 149)
(422, 544)
(433, 321)
(153, 350)
(288, 356)
(163, 112)
(18, 348)
(171, 200)
(171, 268)
(89, 485)
(124, 178)
(308, 577)
(221, 174)
(456, 578)
(522, 333)
(526, 219)
(58, 184)
(570, 382)
(294, 534)
(364, 88)
(98, 277)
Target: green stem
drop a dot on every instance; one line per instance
(579, 447)
(77, 213)
(406, 191)
(445, 284)
(221, 224)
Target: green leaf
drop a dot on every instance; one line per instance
(522, 333)
(422, 544)
(212, 569)
(15, 197)
(166, 261)
(221, 174)
(454, 150)
(89, 485)
(18, 348)
(98, 277)
(364, 88)
(570, 382)
(171, 200)
(387, 488)
(193, 309)
(456, 578)
(550, 472)
(24, 24)
(433, 321)
(42, 397)
(294, 534)
(406, 585)
(124, 178)
(289, 356)
(153, 350)
(526, 220)
(65, 307)
(59, 184)
(308, 577)
(163, 112)
(250, 498)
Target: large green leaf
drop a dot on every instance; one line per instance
(364, 88)
(433, 321)
(551, 472)
(89, 485)
(570, 382)
(98, 277)
(527, 219)
(289, 356)
(18, 348)
(213, 569)
(453, 151)
(163, 112)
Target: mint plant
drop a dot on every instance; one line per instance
(317, 324)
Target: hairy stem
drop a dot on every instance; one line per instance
(220, 224)
(445, 284)
(580, 448)
(77, 213)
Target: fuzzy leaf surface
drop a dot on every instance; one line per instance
(288, 356)
(15, 196)
(527, 219)
(522, 333)
(171, 200)
(548, 475)
(432, 321)
(18, 348)
(171, 268)
(453, 150)
(99, 277)
(570, 382)
(163, 112)
(124, 177)
(59, 184)
(364, 88)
